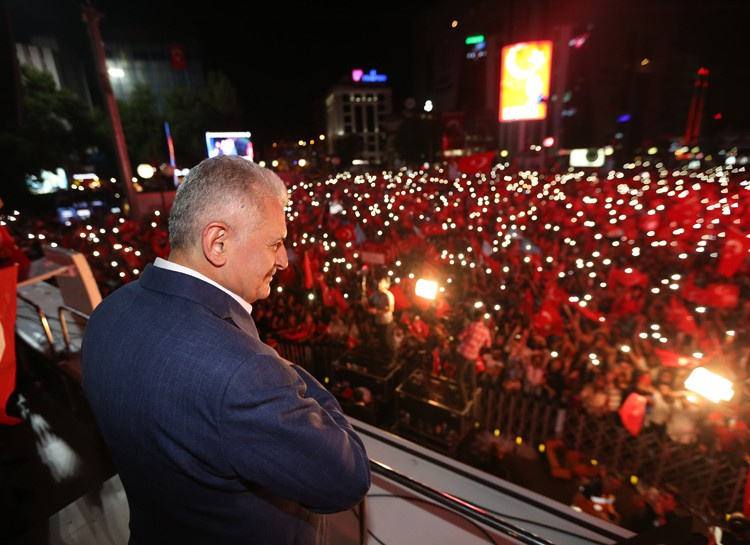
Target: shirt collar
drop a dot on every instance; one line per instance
(176, 267)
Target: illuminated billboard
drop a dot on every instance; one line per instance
(229, 143)
(524, 80)
(47, 182)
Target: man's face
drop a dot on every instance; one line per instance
(257, 251)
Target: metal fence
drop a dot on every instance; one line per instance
(704, 477)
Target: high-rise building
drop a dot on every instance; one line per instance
(359, 109)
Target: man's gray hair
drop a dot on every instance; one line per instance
(217, 189)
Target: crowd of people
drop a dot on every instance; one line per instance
(592, 286)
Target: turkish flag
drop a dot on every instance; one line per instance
(555, 293)
(627, 303)
(14, 254)
(632, 413)
(453, 130)
(628, 277)
(329, 298)
(673, 359)
(693, 293)
(681, 317)
(308, 271)
(401, 301)
(547, 319)
(339, 299)
(479, 163)
(526, 305)
(346, 233)
(722, 295)
(177, 56)
(442, 308)
(649, 222)
(8, 277)
(592, 315)
(432, 229)
(734, 252)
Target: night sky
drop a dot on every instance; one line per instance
(282, 56)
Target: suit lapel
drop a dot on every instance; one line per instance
(244, 321)
(211, 297)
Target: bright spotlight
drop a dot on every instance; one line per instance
(426, 289)
(709, 385)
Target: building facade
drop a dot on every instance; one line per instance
(360, 109)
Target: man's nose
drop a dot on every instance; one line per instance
(282, 259)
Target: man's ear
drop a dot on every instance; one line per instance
(214, 240)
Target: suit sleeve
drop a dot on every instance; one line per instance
(281, 429)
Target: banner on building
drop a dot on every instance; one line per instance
(8, 277)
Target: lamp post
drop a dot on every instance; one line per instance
(92, 17)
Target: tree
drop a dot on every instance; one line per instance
(144, 133)
(187, 113)
(222, 98)
(58, 129)
(191, 114)
(417, 139)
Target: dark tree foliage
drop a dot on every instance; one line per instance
(143, 128)
(418, 139)
(58, 129)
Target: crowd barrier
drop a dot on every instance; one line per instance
(705, 479)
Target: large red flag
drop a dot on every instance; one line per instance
(14, 254)
(593, 315)
(526, 305)
(673, 359)
(401, 301)
(442, 308)
(547, 320)
(681, 317)
(8, 277)
(177, 56)
(453, 130)
(555, 293)
(693, 293)
(722, 295)
(632, 413)
(308, 271)
(340, 299)
(628, 277)
(432, 229)
(345, 233)
(734, 253)
(476, 164)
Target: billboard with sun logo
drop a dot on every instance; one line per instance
(524, 80)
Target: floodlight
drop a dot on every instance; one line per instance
(709, 385)
(426, 289)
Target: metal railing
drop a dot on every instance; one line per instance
(61, 312)
(703, 475)
(44, 322)
(461, 506)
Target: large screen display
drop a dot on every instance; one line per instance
(229, 143)
(47, 182)
(524, 80)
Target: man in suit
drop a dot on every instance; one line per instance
(216, 438)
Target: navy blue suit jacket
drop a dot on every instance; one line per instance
(216, 438)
